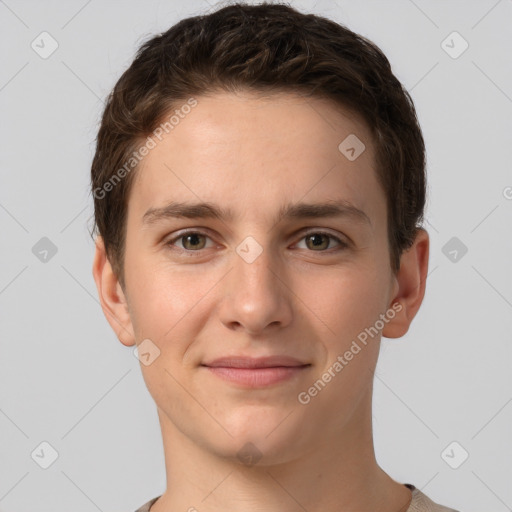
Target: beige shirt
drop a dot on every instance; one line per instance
(420, 503)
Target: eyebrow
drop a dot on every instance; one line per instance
(205, 210)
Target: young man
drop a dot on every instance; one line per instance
(259, 183)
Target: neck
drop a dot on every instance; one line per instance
(337, 471)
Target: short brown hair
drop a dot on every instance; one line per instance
(264, 48)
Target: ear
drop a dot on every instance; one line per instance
(112, 298)
(409, 286)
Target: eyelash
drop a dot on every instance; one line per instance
(342, 245)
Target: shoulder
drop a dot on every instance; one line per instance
(146, 506)
(422, 503)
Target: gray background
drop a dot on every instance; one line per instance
(65, 378)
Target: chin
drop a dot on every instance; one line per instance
(259, 443)
(252, 452)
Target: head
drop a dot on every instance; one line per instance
(253, 111)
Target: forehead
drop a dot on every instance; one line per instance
(259, 152)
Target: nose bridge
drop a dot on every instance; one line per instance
(255, 268)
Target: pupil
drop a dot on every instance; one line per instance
(317, 239)
(192, 237)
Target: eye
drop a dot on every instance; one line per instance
(319, 241)
(192, 241)
(195, 241)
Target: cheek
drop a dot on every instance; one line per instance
(167, 303)
(349, 307)
(347, 300)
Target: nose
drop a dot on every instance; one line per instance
(256, 296)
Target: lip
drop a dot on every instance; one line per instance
(255, 362)
(256, 372)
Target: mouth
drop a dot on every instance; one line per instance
(256, 372)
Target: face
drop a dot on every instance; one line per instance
(263, 276)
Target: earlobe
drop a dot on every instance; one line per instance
(411, 284)
(112, 298)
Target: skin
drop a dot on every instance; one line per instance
(255, 155)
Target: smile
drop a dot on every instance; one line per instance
(256, 377)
